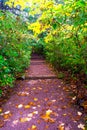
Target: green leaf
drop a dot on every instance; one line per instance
(85, 86)
(81, 3)
(54, 25)
(1, 92)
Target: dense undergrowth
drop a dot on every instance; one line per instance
(14, 48)
(61, 31)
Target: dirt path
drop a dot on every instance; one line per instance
(40, 103)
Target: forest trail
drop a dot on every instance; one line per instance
(40, 102)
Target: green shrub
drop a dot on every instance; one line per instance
(15, 49)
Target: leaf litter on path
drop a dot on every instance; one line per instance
(50, 105)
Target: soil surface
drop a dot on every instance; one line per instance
(40, 102)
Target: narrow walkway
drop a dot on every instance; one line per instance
(41, 102)
(39, 69)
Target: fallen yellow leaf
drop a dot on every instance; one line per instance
(81, 126)
(7, 116)
(79, 113)
(34, 127)
(24, 119)
(64, 107)
(0, 110)
(39, 88)
(35, 99)
(51, 120)
(64, 114)
(48, 112)
(31, 103)
(35, 112)
(46, 117)
(84, 104)
(61, 127)
(34, 88)
(19, 106)
(27, 106)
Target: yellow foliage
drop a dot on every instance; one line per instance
(48, 38)
(58, 7)
(38, 27)
(22, 3)
(25, 3)
(68, 14)
(2, 18)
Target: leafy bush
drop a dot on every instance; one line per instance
(65, 26)
(15, 47)
(6, 77)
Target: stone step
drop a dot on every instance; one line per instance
(32, 77)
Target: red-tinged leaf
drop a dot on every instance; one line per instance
(1, 110)
(7, 116)
(1, 123)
